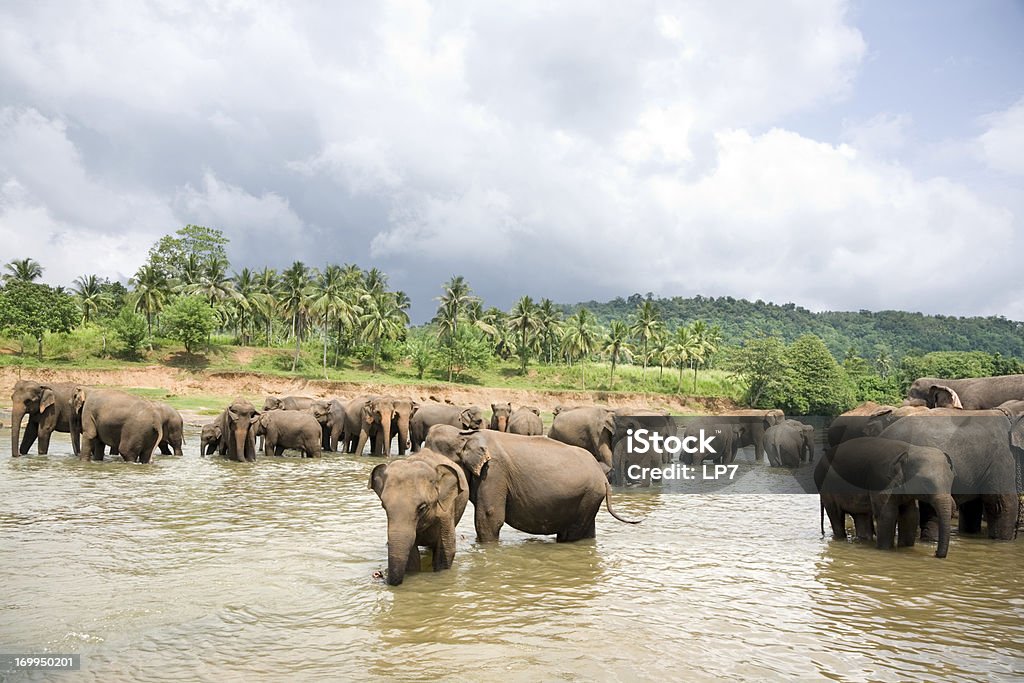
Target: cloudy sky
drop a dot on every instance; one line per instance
(837, 155)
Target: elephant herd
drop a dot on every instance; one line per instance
(901, 473)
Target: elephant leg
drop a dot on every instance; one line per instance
(335, 438)
(489, 516)
(886, 529)
(836, 518)
(970, 517)
(44, 441)
(415, 560)
(1001, 515)
(862, 523)
(909, 521)
(31, 432)
(165, 448)
(578, 532)
(278, 450)
(361, 445)
(88, 449)
(177, 448)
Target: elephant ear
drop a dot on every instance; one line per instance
(467, 419)
(608, 424)
(47, 400)
(413, 407)
(1017, 432)
(942, 396)
(449, 486)
(475, 454)
(535, 411)
(378, 477)
(881, 411)
(367, 410)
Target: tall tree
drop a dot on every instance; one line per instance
(91, 298)
(268, 285)
(171, 253)
(294, 298)
(646, 323)
(381, 320)
(549, 318)
(455, 297)
(28, 308)
(151, 291)
(580, 339)
(24, 270)
(616, 345)
(524, 322)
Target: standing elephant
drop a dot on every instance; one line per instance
(129, 425)
(985, 447)
(973, 393)
(287, 403)
(754, 424)
(531, 483)
(331, 416)
(404, 409)
(431, 414)
(854, 423)
(283, 429)
(49, 409)
(526, 420)
(370, 419)
(789, 444)
(173, 430)
(723, 434)
(500, 413)
(895, 475)
(591, 428)
(237, 439)
(424, 497)
(210, 438)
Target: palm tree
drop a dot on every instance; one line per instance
(580, 339)
(646, 323)
(26, 270)
(707, 341)
(151, 290)
(381, 320)
(616, 345)
(331, 304)
(245, 302)
(267, 286)
(212, 283)
(524, 322)
(90, 295)
(456, 296)
(191, 270)
(294, 299)
(684, 349)
(548, 318)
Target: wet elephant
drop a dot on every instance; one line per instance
(789, 444)
(288, 403)
(591, 428)
(282, 429)
(238, 439)
(210, 438)
(972, 393)
(526, 420)
(330, 413)
(404, 410)
(500, 413)
(754, 424)
(424, 496)
(131, 426)
(173, 430)
(48, 408)
(430, 414)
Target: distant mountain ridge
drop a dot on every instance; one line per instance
(899, 332)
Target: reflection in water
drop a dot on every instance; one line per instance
(203, 568)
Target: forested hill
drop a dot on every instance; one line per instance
(900, 332)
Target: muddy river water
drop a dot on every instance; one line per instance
(202, 569)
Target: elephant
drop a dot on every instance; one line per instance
(283, 429)
(237, 438)
(424, 497)
(49, 409)
(855, 422)
(789, 444)
(591, 428)
(532, 483)
(723, 433)
(210, 438)
(755, 423)
(131, 426)
(973, 393)
(499, 416)
(431, 414)
(331, 416)
(404, 409)
(986, 448)
(370, 419)
(287, 403)
(896, 475)
(173, 430)
(631, 421)
(526, 420)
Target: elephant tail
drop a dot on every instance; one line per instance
(821, 506)
(608, 505)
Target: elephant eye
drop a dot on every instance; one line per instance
(422, 507)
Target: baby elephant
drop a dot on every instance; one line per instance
(526, 421)
(424, 497)
(209, 439)
(283, 429)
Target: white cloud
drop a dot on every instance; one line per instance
(881, 135)
(1002, 144)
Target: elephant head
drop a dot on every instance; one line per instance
(321, 410)
(941, 396)
(209, 438)
(533, 409)
(468, 448)
(472, 418)
(499, 416)
(237, 437)
(416, 495)
(404, 409)
(380, 411)
(38, 401)
(272, 403)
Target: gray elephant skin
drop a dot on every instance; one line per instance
(531, 483)
(132, 427)
(789, 444)
(424, 497)
(173, 430)
(288, 403)
(723, 433)
(209, 438)
(754, 424)
(500, 413)
(430, 414)
(283, 429)
(526, 420)
(49, 409)
(591, 428)
(330, 413)
(973, 393)
(895, 475)
(237, 435)
(985, 448)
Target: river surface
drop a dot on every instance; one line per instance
(202, 569)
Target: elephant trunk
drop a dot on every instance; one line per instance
(385, 439)
(401, 546)
(17, 415)
(943, 505)
(402, 428)
(241, 436)
(502, 423)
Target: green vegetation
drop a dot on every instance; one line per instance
(343, 323)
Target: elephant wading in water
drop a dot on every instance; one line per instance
(789, 444)
(895, 475)
(973, 393)
(283, 429)
(424, 496)
(131, 426)
(754, 423)
(531, 483)
(331, 416)
(500, 413)
(49, 409)
(431, 414)
(526, 420)
(210, 438)
(287, 403)
(237, 434)
(173, 429)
